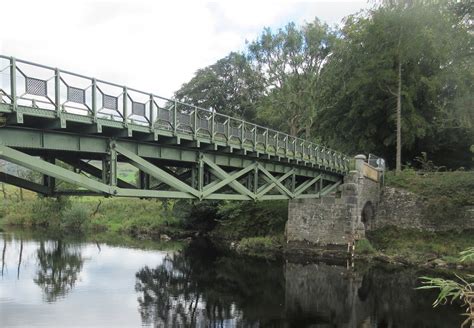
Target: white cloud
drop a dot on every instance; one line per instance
(151, 45)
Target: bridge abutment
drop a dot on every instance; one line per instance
(340, 217)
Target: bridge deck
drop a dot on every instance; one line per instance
(60, 115)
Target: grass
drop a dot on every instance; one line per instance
(457, 186)
(445, 193)
(363, 246)
(418, 246)
(135, 217)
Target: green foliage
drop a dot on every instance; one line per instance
(247, 219)
(131, 216)
(230, 86)
(363, 246)
(361, 84)
(417, 246)
(459, 288)
(75, 216)
(445, 192)
(289, 61)
(46, 212)
(467, 255)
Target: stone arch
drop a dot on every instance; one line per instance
(368, 215)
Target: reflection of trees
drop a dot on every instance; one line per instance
(190, 289)
(58, 269)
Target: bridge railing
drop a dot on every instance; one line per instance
(24, 83)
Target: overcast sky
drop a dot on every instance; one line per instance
(154, 46)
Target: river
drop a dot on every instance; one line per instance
(56, 281)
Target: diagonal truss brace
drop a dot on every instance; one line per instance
(155, 171)
(23, 183)
(277, 183)
(208, 190)
(272, 184)
(221, 174)
(305, 185)
(52, 170)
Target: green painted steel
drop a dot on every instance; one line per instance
(92, 126)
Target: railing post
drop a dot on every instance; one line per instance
(125, 106)
(213, 115)
(57, 94)
(195, 123)
(152, 113)
(228, 129)
(254, 137)
(266, 139)
(13, 81)
(175, 117)
(94, 100)
(242, 133)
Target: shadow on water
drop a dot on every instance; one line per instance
(199, 286)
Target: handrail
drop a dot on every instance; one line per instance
(124, 101)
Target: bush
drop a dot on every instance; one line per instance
(251, 219)
(75, 216)
(363, 246)
(46, 212)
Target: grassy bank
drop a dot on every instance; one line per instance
(134, 217)
(416, 247)
(445, 193)
(253, 228)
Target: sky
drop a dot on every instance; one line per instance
(154, 46)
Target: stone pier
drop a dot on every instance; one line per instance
(340, 217)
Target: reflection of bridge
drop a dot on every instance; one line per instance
(77, 129)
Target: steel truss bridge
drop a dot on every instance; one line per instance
(73, 131)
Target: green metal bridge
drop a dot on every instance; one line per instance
(73, 131)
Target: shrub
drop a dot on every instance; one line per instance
(46, 212)
(250, 219)
(363, 246)
(75, 216)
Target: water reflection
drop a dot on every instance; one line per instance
(56, 281)
(189, 289)
(198, 287)
(59, 265)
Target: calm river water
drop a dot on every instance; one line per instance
(64, 282)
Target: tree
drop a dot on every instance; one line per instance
(290, 62)
(394, 68)
(230, 86)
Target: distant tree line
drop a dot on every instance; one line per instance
(395, 80)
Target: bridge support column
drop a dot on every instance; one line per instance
(340, 217)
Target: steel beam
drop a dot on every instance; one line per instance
(52, 170)
(23, 183)
(155, 171)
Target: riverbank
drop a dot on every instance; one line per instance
(256, 228)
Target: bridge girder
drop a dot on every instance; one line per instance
(254, 181)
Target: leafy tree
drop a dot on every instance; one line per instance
(290, 61)
(230, 86)
(396, 68)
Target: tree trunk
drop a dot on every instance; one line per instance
(398, 167)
